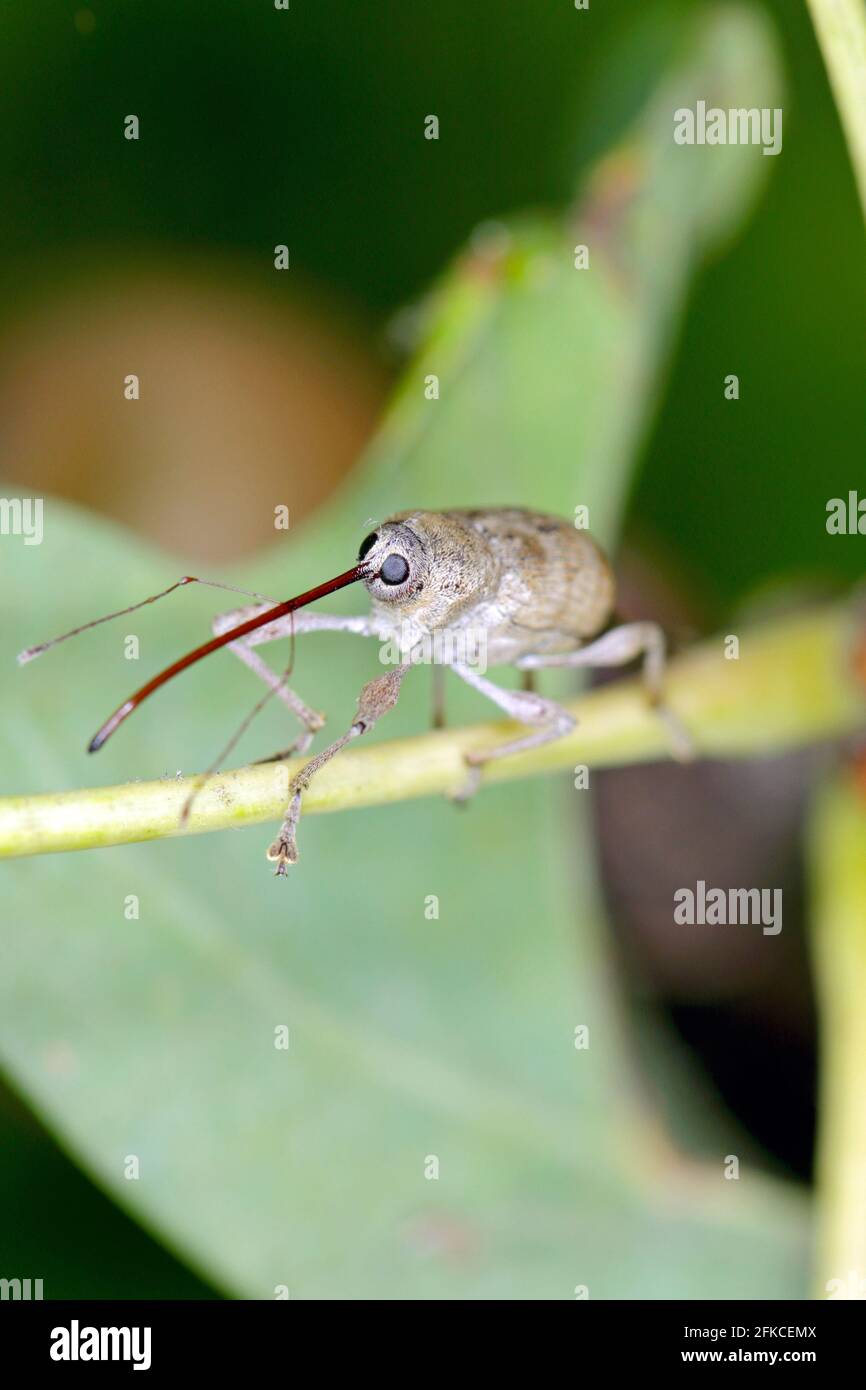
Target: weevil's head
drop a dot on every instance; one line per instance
(425, 566)
(399, 561)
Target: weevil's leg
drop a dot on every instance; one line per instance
(438, 710)
(293, 623)
(311, 720)
(377, 698)
(362, 626)
(618, 647)
(550, 721)
(284, 753)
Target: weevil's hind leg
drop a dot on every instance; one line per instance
(548, 720)
(376, 699)
(616, 648)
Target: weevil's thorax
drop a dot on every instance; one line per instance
(451, 572)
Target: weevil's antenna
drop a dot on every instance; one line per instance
(30, 653)
(360, 571)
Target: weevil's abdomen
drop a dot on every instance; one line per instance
(556, 586)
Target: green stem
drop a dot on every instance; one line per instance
(794, 682)
(839, 950)
(841, 29)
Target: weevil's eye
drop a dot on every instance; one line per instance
(367, 544)
(394, 569)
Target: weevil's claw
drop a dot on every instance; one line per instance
(282, 853)
(377, 697)
(284, 850)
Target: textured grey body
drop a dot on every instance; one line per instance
(533, 583)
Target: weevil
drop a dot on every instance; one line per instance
(528, 589)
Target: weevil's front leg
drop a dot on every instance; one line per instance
(362, 625)
(618, 647)
(377, 698)
(549, 720)
(311, 720)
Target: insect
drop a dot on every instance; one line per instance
(527, 589)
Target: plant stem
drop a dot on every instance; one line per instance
(839, 950)
(794, 682)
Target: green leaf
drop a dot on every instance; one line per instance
(409, 1037)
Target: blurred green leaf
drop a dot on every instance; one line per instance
(409, 1037)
